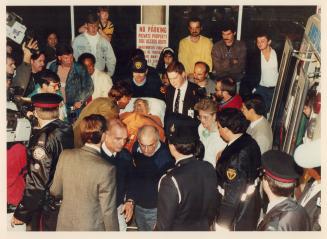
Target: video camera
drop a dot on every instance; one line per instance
(18, 127)
(16, 31)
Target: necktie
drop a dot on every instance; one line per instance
(176, 106)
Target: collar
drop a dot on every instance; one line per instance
(254, 123)
(232, 141)
(47, 122)
(140, 151)
(184, 86)
(88, 35)
(273, 203)
(107, 151)
(140, 84)
(182, 158)
(93, 146)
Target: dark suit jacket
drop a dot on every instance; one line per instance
(253, 70)
(191, 98)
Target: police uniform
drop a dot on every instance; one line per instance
(285, 214)
(238, 185)
(308, 156)
(187, 198)
(37, 209)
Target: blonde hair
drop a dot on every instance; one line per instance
(207, 105)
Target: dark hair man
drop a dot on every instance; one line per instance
(279, 180)
(37, 208)
(229, 55)
(262, 69)
(238, 171)
(181, 94)
(102, 82)
(118, 97)
(194, 47)
(187, 198)
(226, 94)
(253, 109)
(92, 42)
(84, 175)
(76, 83)
(33, 63)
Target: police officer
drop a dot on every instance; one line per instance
(187, 198)
(237, 172)
(37, 209)
(279, 180)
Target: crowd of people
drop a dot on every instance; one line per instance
(194, 153)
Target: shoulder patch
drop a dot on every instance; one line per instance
(231, 174)
(39, 153)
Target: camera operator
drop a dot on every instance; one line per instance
(33, 62)
(37, 209)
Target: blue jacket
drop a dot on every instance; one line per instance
(79, 84)
(146, 174)
(105, 56)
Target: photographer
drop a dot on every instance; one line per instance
(37, 209)
(33, 62)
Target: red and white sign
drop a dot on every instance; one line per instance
(151, 39)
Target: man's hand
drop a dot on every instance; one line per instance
(15, 221)
(128, 209)
(31, 45)
(77, 105)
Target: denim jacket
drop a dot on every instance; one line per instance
(105, 55)
(79, 84)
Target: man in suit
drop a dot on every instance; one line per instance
(86, 183)
(181, 94)
(113, 151)
(188, 196)
(279, 180)
(253, 109)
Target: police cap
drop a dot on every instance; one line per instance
(279, 166)
(139, 65)
(181, 129)
(46, 100)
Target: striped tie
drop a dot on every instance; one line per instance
(176, 106)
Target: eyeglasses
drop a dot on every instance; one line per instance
(205, 117)
(54, 85)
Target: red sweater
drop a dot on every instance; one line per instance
(234, 102)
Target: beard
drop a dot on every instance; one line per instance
(218, 98)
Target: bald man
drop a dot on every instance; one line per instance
(151, 160)
(202, 79)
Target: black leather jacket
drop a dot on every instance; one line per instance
(187, 198)
(237, 169)
(45, 146)
(286, 216)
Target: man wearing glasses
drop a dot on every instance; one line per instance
(151, 159)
